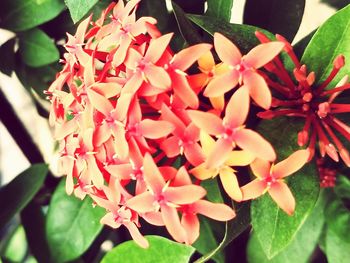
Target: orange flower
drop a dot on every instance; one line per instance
(243, 69)
(270, 179)
(231, 131)
(226, 173)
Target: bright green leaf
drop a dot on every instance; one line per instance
(220, 9)
(20, 191)
(282, 17)
(160, 250)
(337, 233)
(302, 246)
(71, 225)
(273, 227)
(16, 248)
(242, 35)
(19, 15)
(37, 49)
(79, 8)
(330, 40)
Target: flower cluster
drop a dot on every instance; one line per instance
(299, 96)
(127, 112)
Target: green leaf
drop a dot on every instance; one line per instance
(71, 225)
(330, 40)
(207, 241)
(16, 247)
(187, 30)
(160, 250)
(37, 49)
(337, 233)
(232, 230)
(20, 191)
(19, 15)
(302, 246)
(213, 190)
(342, 187)
(242, 35)
(279, 17)
(79, 8)
(273, 227)
(7, 56)
(220, 9)
(156, 9)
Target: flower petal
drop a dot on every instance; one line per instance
(121, 171)
(208, 122)
(222, 146)
(206, 62)
(185, 194)
(142, 203)
(184, 91)
(215, 211)
(186, 57)
(158, 77)
(253, 189)
(258, 89)
(230, 183)
(202, 173)
(292, 164)
(157, 47)
(153, 177)
(221, 84)
(240, 158)
(155, 129)
(136, 235)
(99, 102)
(263, 53)
(284, 198)
(252, 141)
(226, 50)
(172, 223)
(237, 108)
(194, 154)
(190, 223)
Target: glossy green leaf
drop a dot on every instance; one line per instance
(187, 30)
(17, 246)
(279, 17)
(342, 187)
(330, 40)
(37, 49)
(220, 9)
(79, 8)
(160, 250)
(19, 15)
(303, 244)
(20, 191)
(337, 233)
(242, 35)
(71, 225)
(273, 227)
(207, 241)
(232, 230)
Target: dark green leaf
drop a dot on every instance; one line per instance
(213, 190)
(242, 35)
(37, 49)
(207, 241)
(188, 31)
(330, 40)
(156, 9)
(342, 188)
(337, 233)
(273, 227)
(161, 250)
(33, 221)
(72, 225)
(220, 9)
(233, 229)
(19, 15)
(302, 246)
(279, 17)
(20, 191)
(79, 8)
(7, 56)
